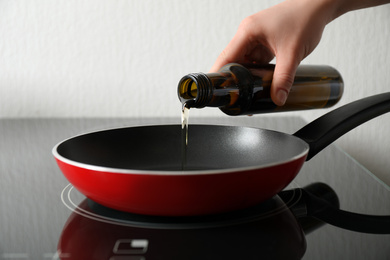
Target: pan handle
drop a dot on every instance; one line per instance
(329, 127)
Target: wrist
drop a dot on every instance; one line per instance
(341, 7)
(321, 10)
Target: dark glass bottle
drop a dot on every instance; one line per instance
(245, 89)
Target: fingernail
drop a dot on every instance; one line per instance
(281, 95)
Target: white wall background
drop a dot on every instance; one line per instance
(124, 58)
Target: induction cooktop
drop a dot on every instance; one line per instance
(44, 217)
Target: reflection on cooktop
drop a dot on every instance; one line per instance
(274, 229)
(268, 230)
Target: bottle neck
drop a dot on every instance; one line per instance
(195, 90)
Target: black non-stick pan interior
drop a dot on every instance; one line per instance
(159, 148)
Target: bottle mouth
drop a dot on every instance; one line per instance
(194, 90)
(188, 89)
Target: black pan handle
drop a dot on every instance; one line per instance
(329, 127)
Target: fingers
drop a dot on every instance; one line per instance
(243, 49)
(286, 65)
(284, 74)
(246, 46)
(235, 51)
(262, 36)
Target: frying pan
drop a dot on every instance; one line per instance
(139, 169)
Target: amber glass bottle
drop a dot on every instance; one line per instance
(245, 89)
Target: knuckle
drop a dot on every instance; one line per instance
(247, 21)
(246, 26)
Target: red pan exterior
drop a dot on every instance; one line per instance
(182, 195)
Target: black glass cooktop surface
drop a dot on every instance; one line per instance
(42, 216)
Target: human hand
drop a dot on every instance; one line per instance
(288, 31)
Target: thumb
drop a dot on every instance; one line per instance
(283, 78)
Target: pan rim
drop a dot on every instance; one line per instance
(106, 169)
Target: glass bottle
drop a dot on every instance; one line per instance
(245, 89)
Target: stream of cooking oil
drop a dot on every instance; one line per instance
(184, 135)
